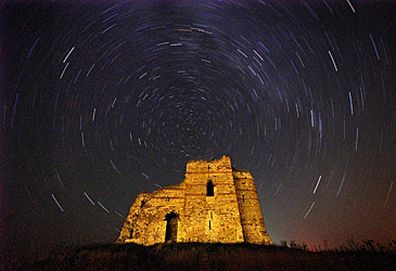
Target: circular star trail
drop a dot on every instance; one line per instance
(102, 101)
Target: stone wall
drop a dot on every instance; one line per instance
(211, 218)
(231, 215)
(249, 205)
(146, 223)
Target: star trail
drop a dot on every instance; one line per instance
(104, 100)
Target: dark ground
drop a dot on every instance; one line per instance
(196, 256)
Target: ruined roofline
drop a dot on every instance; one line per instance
(181, 183)
(161, 189)
(241, 174)
(240, 170)
(224, 159)
(237, 173)
(219, 159)
(209, 161)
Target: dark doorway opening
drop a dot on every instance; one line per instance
(171, 227)
(209, 189)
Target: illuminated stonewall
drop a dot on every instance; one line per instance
(214, 203)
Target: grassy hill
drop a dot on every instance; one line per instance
(198, 256)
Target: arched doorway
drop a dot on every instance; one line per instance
(171, 227)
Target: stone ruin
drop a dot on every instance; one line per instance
(214, 204)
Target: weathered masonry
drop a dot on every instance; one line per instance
(214, 203)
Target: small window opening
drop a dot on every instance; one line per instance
(243, 198)
(209, 189)
(142, 203)
(210, 225)
(211, 215)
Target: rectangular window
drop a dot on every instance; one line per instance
(209, 189)
(210, 225)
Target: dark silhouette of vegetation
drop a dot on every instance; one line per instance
(366, 255)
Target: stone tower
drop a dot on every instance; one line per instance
(214, 203)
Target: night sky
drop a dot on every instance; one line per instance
(103, 100)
